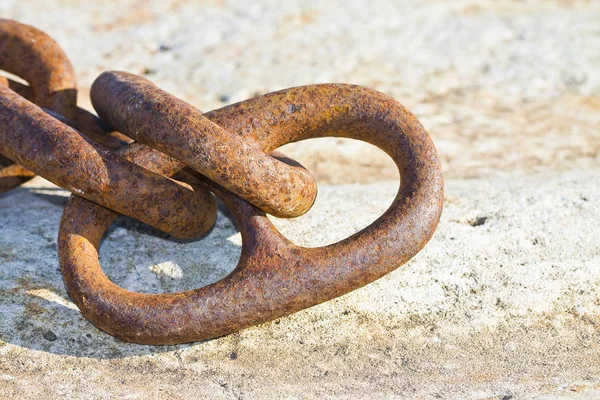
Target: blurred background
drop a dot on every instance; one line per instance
(500, 85)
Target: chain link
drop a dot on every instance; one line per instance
(182, 157)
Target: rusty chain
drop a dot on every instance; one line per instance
(180, 158)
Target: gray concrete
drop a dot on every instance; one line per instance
(503, 301)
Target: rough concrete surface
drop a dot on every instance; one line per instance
(503, 303)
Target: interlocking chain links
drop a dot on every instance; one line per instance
(30, 53)
(274, 277)
(41, 140)
(62, 155)
(13, 175)
(137, 108)
(84, 121)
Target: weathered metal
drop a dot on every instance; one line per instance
(34, 56)
(233, 148)
(12, 175)
(83, 121)
(136, 107)
(59, 153)
(274, 277)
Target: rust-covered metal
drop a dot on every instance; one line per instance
(274, 277)
(232, 150)
(12, 175)
(59, 153)
(136, 107)
(84, 121)
(41, 140)
(34, 56)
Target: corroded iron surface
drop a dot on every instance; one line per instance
(229, 152)
(37, 58)
(46, 146)
(134, 106)
(274, 277)
(34, 56)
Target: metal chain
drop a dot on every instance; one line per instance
(227, 152)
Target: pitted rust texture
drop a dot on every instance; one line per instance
(62, 155)
(71, 161)
(13, 175)
(83, 121)
(34, 56)
(274, 277)
(137, 108)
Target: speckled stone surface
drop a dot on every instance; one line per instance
(503, 301)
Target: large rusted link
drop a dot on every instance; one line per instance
(274, 277)
(137, 108)
(52, 149)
